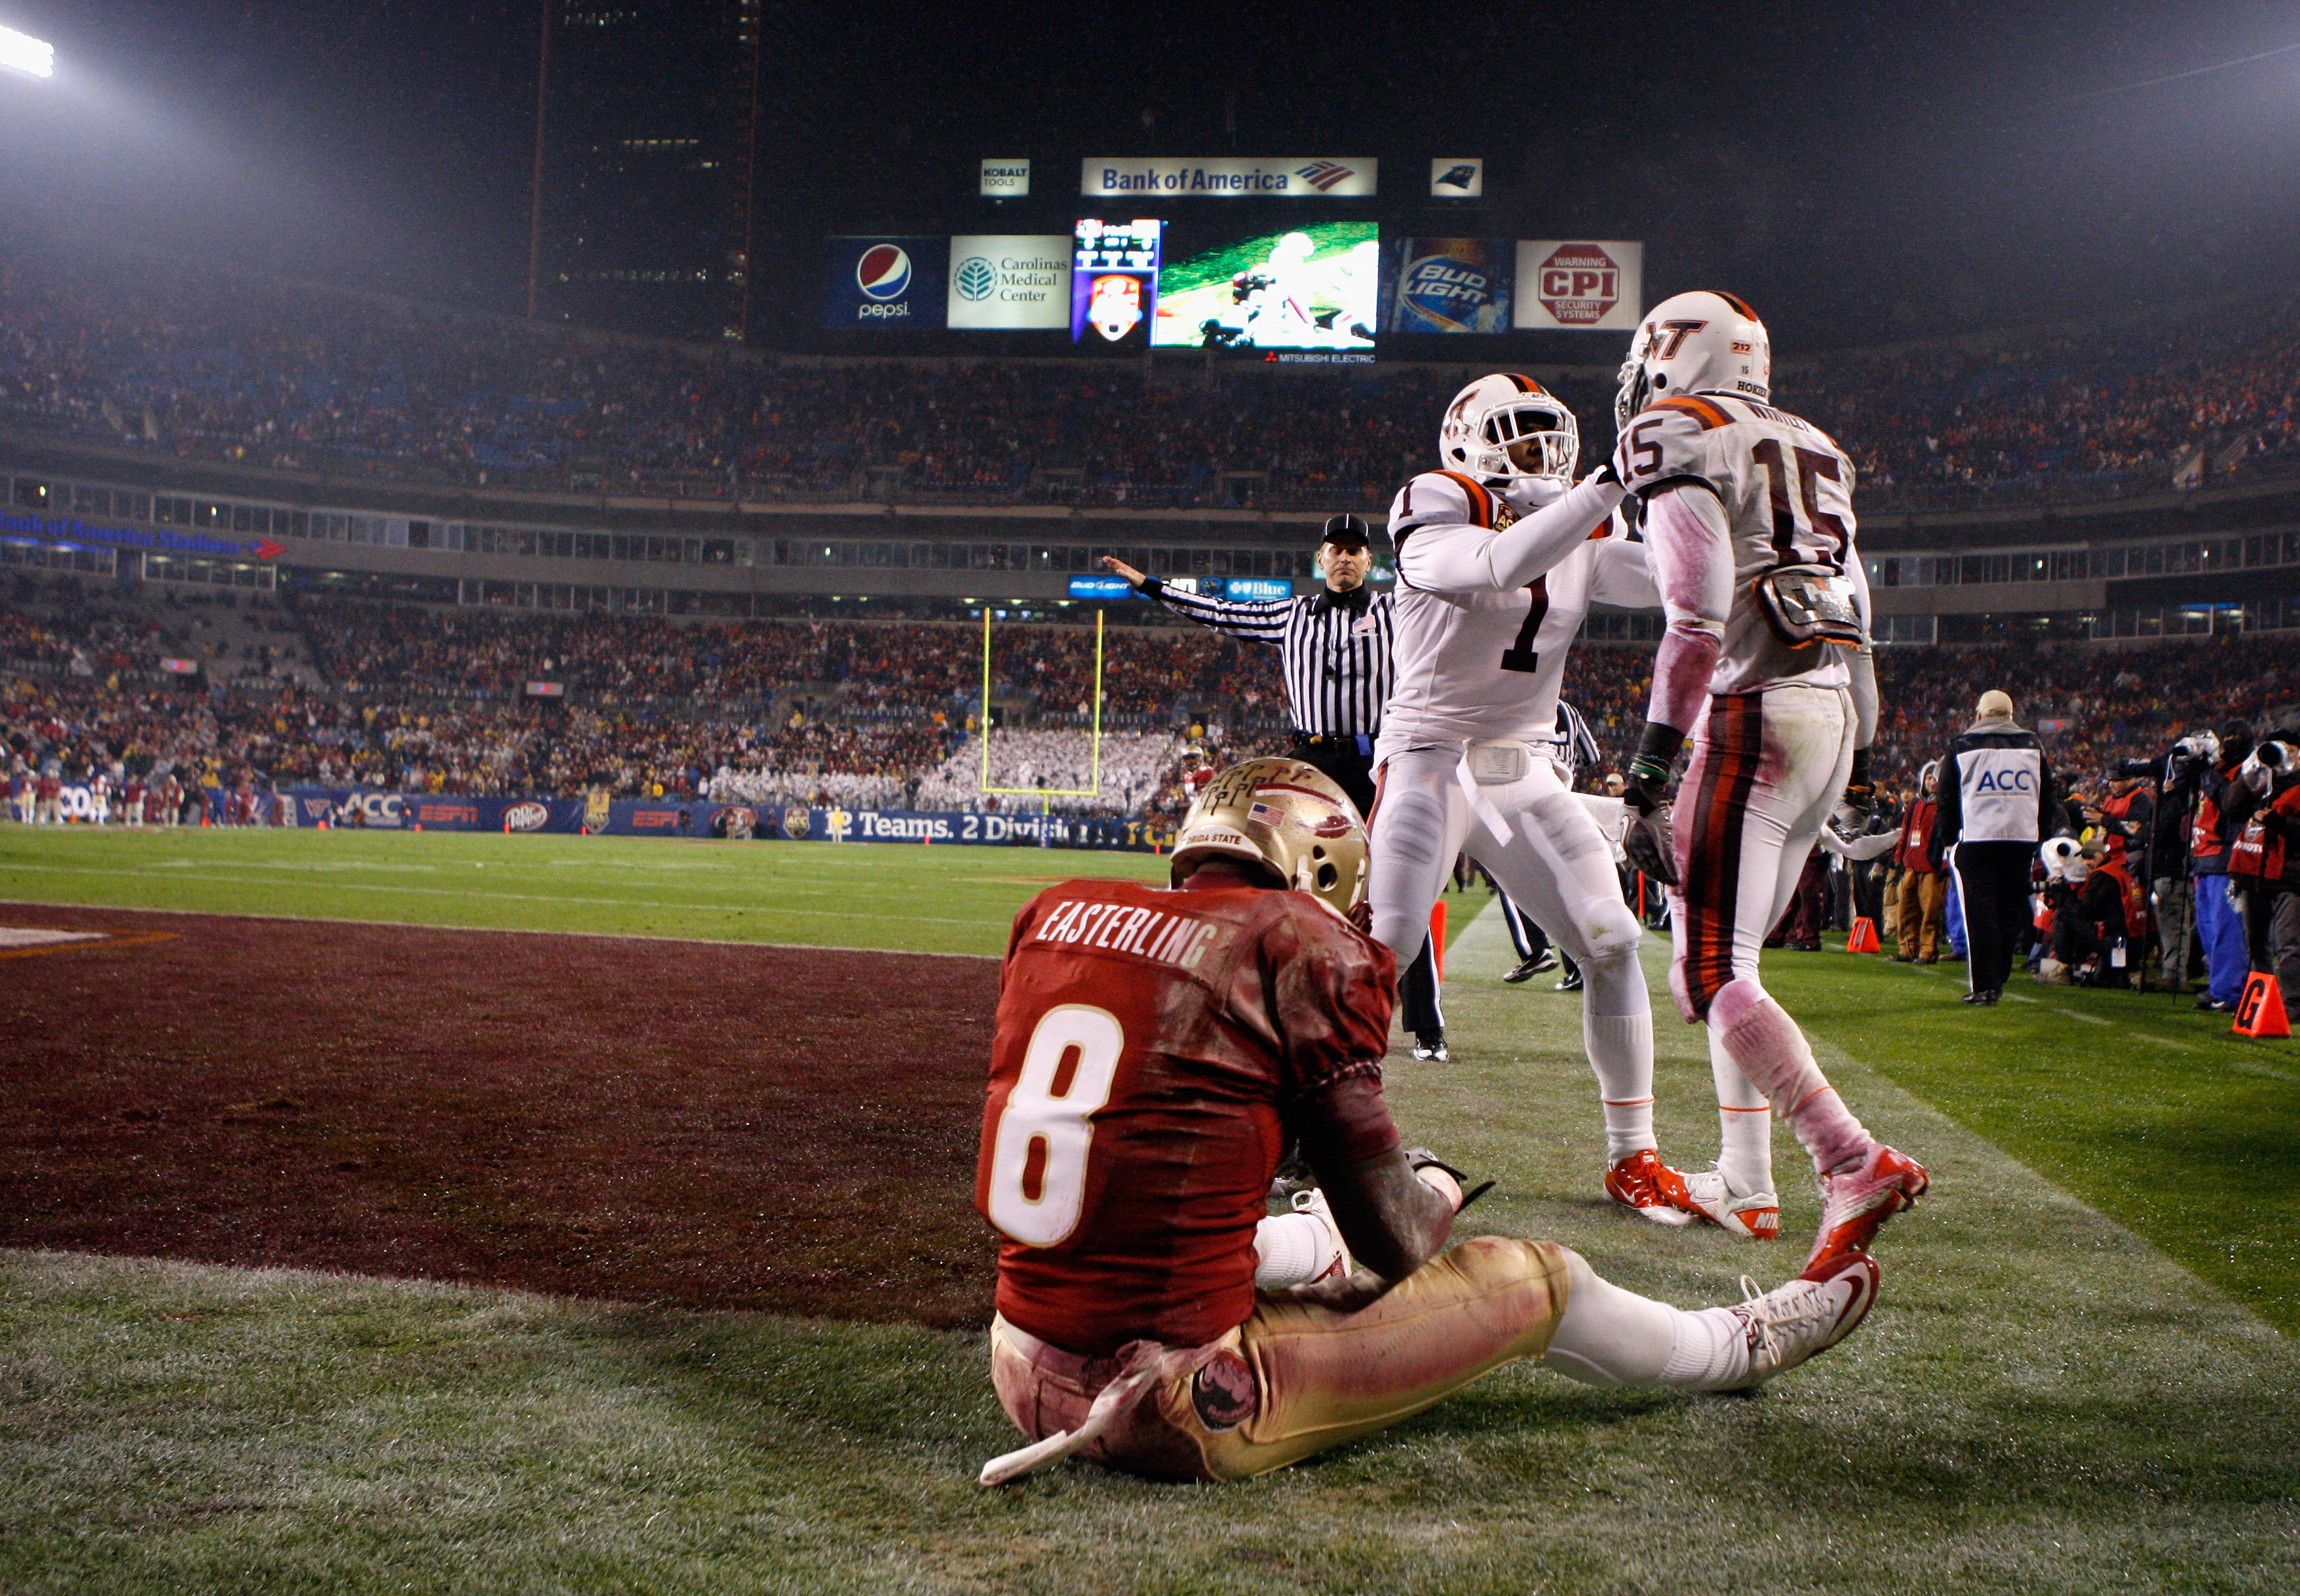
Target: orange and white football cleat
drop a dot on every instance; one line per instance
(1648, 1188)
(1856, 1205)
(1756, 1214)
(1806, 1316)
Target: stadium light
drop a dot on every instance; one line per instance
(21, 53)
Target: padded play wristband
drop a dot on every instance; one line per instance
(1656, 753)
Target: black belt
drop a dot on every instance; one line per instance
(1360, 741)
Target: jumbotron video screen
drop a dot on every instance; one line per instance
(1312, 288)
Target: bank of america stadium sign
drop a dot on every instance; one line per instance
(1297, 176)
(71, 529)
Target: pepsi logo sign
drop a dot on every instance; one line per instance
(527, 817)
(884, 271)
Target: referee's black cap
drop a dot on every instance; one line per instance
(1346, 532)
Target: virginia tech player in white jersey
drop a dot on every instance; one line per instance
(1747, 515)
(1498, 558)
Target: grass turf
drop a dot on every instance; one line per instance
(2042, 1401)
(946, 900)
(902, 898)
(2152, 1112)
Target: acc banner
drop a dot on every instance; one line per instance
(1446, 285)
(433, 811)
(1009, 280)
(1578, 286)
(886, 282)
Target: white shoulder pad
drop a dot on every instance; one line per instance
(1669, 443)
(1437, 499)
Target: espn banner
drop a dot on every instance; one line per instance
(1566, 284)
(405, 812)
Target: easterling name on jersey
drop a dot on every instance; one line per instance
(1786, 489)
(1491, 590)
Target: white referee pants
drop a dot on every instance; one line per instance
(1537, 841)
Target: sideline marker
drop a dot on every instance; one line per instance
(1438, 938)
(2260, 1011)
(1863, 938)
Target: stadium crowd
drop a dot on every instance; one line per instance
(169, 357)
(870, 712)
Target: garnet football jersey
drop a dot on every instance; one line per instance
(1787, 493)
(1153, 1050)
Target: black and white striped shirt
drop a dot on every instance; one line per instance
(1578, 744)
(1333, 650)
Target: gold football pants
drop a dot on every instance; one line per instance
(1319, 1378)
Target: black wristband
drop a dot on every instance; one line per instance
(1150, 584)
(1656, 751)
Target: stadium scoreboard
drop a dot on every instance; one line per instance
(1305, 276)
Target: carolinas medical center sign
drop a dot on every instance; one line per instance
(1297, 176)
(1010, 280)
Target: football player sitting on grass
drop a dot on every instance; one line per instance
(1157, 1051)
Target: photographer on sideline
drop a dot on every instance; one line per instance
(2220, 925)
(2182, 767)
(2263, 818)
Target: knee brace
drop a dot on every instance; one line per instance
(1411, 827)
(1612, 933)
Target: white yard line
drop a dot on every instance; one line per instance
(315, 919)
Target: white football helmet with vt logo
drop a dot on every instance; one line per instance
(1696, 343)
(1507, 429)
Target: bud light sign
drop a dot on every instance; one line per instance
(1448, 286)
(887, 282)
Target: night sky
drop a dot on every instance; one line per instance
(1863, 172)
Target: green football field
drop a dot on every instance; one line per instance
(2080, 1375)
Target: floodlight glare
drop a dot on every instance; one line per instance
(20, 52)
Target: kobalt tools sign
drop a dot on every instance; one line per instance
(1580, 285)
(1301, 176)
(1005, 180)
(1010, 280)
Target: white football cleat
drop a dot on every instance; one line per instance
(1804, 1318)
(1757, 1215)
(1338, 1263)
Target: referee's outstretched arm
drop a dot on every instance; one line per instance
(1262, 619)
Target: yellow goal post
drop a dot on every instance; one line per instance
(1095, 746)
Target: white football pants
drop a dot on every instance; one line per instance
(1538, 842)
(1767, 768)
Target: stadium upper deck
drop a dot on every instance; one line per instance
(184, 417)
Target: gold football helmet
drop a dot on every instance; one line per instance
(1289, 819)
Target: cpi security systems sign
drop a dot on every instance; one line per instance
(1579, 286)
(1291, 177)
(1010, 280)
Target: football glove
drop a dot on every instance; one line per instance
(1646, 840)
(1860, 791)
(1418, 1159)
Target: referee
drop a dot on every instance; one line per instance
(1333, 650)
